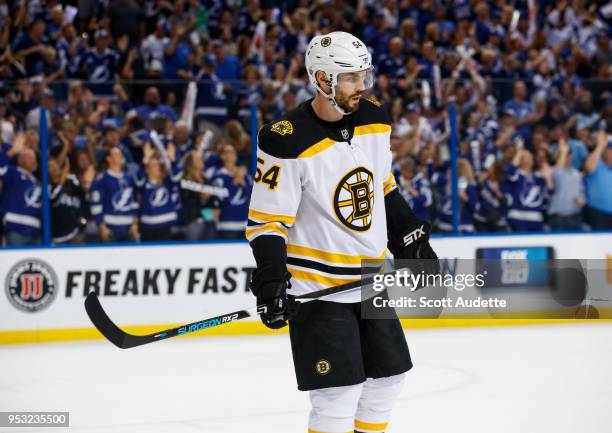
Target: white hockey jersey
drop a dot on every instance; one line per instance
(321, 186)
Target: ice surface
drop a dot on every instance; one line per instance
(545, 378)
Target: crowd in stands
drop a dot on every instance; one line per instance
(135, 153)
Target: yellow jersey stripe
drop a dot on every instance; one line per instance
(373, 128)
(267, 227)
(316, 278)
(328, 256)
(389, 188)
(370, 426)
(390, 178)
(264, 216)
(317, 148)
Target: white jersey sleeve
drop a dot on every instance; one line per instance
(276, 195)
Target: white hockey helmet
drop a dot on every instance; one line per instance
(336, 53)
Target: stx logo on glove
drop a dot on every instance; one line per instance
(414, 235)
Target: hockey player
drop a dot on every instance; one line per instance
(324, 199)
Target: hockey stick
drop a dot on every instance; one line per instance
(123, 340)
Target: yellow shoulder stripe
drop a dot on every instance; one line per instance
(317, 148)
(264, 216)
(328, 256)
(373, 128)
(389, 179)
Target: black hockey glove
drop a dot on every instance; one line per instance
(413, 244)
(274, 306)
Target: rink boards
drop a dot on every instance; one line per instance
(146, 288)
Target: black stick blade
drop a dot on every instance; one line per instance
(123, 340)
(102, 322)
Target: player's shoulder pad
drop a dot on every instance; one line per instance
(289, 136)
(371, 111)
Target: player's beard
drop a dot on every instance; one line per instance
(349, 104)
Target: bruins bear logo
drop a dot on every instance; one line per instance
(354, 198)
(326, 41)
(282, 127)
(323, 367)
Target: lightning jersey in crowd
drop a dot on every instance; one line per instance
(321, 187)
(159, 202)
(234, 208)
(100, 68)
(526, 199)
(211, 102)
(420, 204)
(491, 208)
(113, 201)
(22, 212)
(67, 209)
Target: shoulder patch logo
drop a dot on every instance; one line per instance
(374, 100)
(326, 41)
(282, 127)
(354, 199)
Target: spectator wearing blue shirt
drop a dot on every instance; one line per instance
(598, 167)
(578, 149)
(29, 45)
(159, 196)
(376, 36)
(231, 212)
(152, 107)
(528, 192)
(490, 215)
(568, 199)
(22, 193)
(521, 110)
(176, 55)
(100, 64)
(227, 66)
(71, 50)
(113, 201)
(211, 102)
(391, 62)
(415, 188)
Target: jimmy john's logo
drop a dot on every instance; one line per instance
(31, 285)
(282, 127)
(326, 41)
(354, 198)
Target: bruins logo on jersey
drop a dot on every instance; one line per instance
(354, 198)
(326, 41)
(282, 127)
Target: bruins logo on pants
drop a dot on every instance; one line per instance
(354, 198)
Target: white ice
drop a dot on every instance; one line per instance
(544, 378)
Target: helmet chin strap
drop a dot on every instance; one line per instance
(331, 97)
